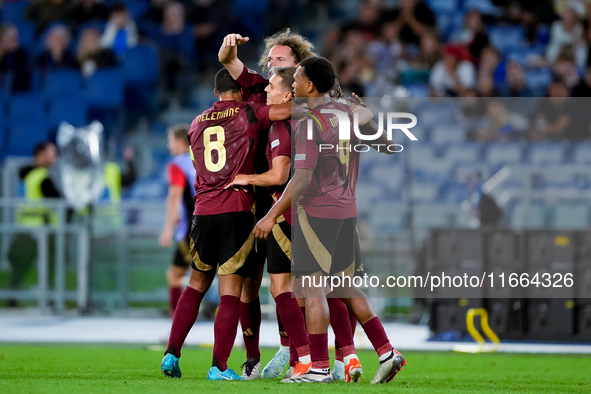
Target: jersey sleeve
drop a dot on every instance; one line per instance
(280, 141)
(253, 86)
(176, 176)
(258, 114)
(306, 155)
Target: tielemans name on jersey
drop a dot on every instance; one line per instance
(216, 115)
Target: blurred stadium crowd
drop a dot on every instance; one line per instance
(120, 61)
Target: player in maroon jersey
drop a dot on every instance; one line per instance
(223, 141)
(323, 186)
(282, 49)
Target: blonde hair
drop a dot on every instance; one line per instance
(301, 48)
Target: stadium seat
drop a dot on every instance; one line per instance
(449, 22)
(448, 134)
(24, 134)
(425, 192)
(486, 7)
(454, 192)
(538, 79)
(535, 217)
(502, 37)
(26, 106)
(442, 6)
(12, 12)
(418, 89)
(63, 82)
(571, 216)
(141, 65)
(66, 108)
(369, 193)
(391, 176)
(137, 7)
(546, 152)
(508, 153)
(463, 153)
(581, 153)
(26, 34)
(3, 134)
(104, 89)
(387, 218)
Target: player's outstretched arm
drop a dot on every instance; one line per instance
(276, 176)
(279, 112)
(293, 192)
(228, 54)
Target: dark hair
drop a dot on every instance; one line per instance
(179, 131)
(40, 148)
(286, 74)
(225, 83)
(119, 7)
(320, 72)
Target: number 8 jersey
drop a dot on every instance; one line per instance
(223, 141)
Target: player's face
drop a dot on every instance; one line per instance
(282, 56)
(173, 145)
(301, 83)
(275, 92)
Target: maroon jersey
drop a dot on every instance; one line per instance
(279, 145)
(223, 141)
(253, 86)
(331, 193)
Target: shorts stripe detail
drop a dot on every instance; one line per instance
(321, 254)
(201, 266)
(237, 261)
(185, 251)
(282, 240)
(349, 271)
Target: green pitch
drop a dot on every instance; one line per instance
(118, 369)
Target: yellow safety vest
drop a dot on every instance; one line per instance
(35, 215)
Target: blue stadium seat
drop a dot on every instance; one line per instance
(499, 153)
(104, 89)
(24, 134)
(571, 216)
(534, 217)
(137, 7)
(67, 108)
(12, 12)
(141, 65)
(388, 219)
(547, 152)
(391, 176)
(419, 153)
(26, 106)
(443, 6)
(449, 22)
(502, 37)
(581, 153)
(448, 134)
(63, 82)
(484, 6)
(462, 172)
(369, 193)
(425, 192)
(463, 153)
(418, 89)
(523, 53)
(3, 134)
(454, 192)
(26, 34)
(538, 79)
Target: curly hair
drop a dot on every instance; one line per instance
(301, 48)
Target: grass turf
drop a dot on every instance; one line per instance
(119, 369)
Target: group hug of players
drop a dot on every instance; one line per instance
(247, 211)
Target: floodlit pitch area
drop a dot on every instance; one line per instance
(88, 369)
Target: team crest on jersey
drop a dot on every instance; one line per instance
(275, 144)
(251, 71)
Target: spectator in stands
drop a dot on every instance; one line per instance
(91, 56)
(583, 88)
(485, 86)
(515, 85)
(387, 49)
(490, 62)
(567, 30)
(13, 59)
(43, 12)
(175, 42)
(349, 79)
(88, 10)
(414, 17)
(501, 124)
(565, 67)
(472, 34)
(56, 54)
(121, 31)
(454, 74)
(560, 117)
(417, 68)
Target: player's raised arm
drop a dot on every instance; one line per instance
(228, 54)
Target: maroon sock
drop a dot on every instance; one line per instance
(250, 321)
(282, 334)
(293, 354)
(174, 293)
(377, 336)
(185, 316)
(339, 321)
(224, 328)
(319, 350)
(293, 321)
(353, 321)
